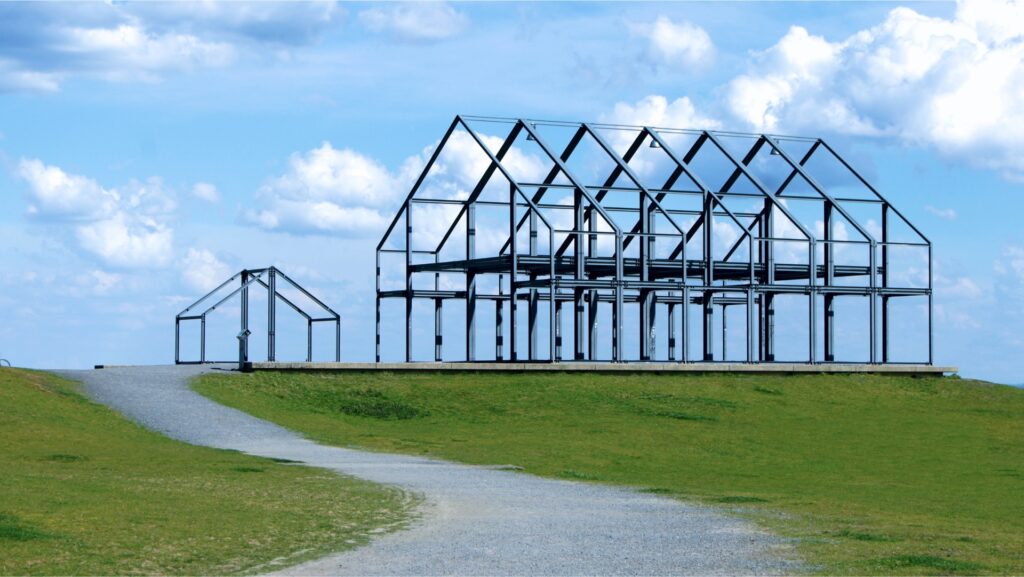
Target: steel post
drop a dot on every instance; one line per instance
(470, 286)
(271, 315)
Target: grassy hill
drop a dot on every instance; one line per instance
(85, 492)
(869, 474)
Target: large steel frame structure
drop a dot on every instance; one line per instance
(247, 279)
(655, 251)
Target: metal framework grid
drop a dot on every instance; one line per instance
(576, 273)
(251, 278)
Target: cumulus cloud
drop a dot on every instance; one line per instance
(657, 111)
(55, 193)
(283, 23)
(41, 45)
(342, 191)
(415, 21)
(128, 241)
(202, 270)
(674, 44)
(206, 191)
(130, 47)
(327, 190)
(125, 227)
(954, 84)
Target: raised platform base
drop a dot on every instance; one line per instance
(833, 368)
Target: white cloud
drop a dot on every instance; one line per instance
(955, 84)
(206, 191)
(55, 193)
(202, 270)
(943, 213)
(125, 227)
(415, 21)
(129, 51)
(147, 40)
(657, 111)
(128, 241)
(14, 76)
(327, 190)
(674, 44)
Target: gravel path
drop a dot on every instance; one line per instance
(474, 520)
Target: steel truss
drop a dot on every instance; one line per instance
(574, 272)
(267, 279)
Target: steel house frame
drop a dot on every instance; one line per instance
(250, 278)
(577, 275)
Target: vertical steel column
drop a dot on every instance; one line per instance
(725, 334)
(652, 297)
(408, 281)
(709, 325)
(558, 328)
(709, 277)
(245, 315)
(499, 337)
(202, 339)
(438, 334)
(578, 330)
(830, 312)
(617, 310)
(309, 341)
(645, 319)
(652, 349)
(750, 324)
(812, 303)
(931, 336)
(592, 310)
(377, 308)
(513, 273)
(885, 282)
(873, 304)
(671, 330)
(684, 319)
(593, 294)
(531, 317)
(271, 315)
(470, 286)
(177, 340)
(554, 307)
(768, 298)
(337, 340)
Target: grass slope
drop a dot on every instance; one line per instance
(85, 492)
(872, 474)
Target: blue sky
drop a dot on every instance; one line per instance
(147, 150)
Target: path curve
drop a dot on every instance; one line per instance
(474, 520)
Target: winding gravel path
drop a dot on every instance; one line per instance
(474, 520)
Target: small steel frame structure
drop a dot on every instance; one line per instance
(611, 252)
(266, 278)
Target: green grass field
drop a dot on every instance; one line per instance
(85, 492)
(870, 474)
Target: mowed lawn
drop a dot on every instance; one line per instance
(85, 492)
(869, 474)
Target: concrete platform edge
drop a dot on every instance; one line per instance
(894, 369)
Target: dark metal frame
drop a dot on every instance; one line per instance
(577, 275)
(251, 278)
